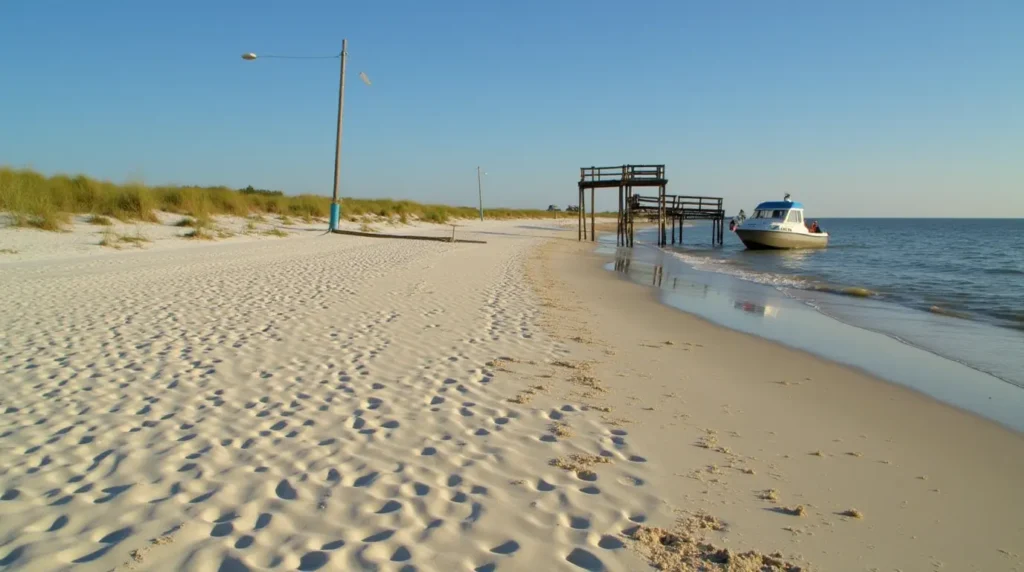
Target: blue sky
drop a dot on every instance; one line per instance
(866, 108)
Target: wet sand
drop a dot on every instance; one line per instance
(748, 430)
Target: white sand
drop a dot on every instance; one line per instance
(317, 401)
(335, 403)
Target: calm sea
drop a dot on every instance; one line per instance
(895, 276)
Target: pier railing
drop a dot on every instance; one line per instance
(623, 174)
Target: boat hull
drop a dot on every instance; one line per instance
(776, 240)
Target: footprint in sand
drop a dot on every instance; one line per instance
(244, 541)
(285, 490)
(506, 548)
(313, 560)
(585, 560)
(579, 522)
(389, 507)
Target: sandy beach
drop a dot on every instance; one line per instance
(344, 403)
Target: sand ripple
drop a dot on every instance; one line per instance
(318, 403)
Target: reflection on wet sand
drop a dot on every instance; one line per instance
(717, 297)
(753, 308)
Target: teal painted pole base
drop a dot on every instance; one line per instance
(335, 215)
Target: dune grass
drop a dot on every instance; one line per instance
(100, 220)
(45, 202)
(111, 239)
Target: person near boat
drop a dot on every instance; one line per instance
(737, 220)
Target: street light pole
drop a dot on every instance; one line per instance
(480, 192)
(343, 56)
(335, 201)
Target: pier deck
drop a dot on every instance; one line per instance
(670, 211)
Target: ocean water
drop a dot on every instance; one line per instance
(952, 287)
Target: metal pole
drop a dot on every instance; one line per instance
(480, 192)
(335, 201)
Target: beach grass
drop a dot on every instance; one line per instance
(100, 220)
(45, 202)
(111, 239)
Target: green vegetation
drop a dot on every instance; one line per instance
(136, 240)
(100, 220)
(111, 239)
(35, 200)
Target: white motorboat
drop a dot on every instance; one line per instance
(780, 225)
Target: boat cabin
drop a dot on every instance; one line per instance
(780, 211)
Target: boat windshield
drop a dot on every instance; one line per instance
(777, 214)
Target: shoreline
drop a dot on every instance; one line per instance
(762, 311)
(927, 476)
(975, 325)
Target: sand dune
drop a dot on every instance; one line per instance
(308, 403)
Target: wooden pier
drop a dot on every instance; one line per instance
(669, 211)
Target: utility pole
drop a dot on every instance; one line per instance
(480, 191)
(335, 201)
(343, 56)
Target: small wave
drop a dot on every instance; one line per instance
(947, 312)
(1003, 271)
(778, 280)
(855, 291)
(722, 266)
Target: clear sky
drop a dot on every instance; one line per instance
(858, 108)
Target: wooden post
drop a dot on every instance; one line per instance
(661, 214)
(721, 225)
(629, 216)
(579, 223)
(629, 211)
(593, 236)
(579, 191)
(583, 210)
(620, 227)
